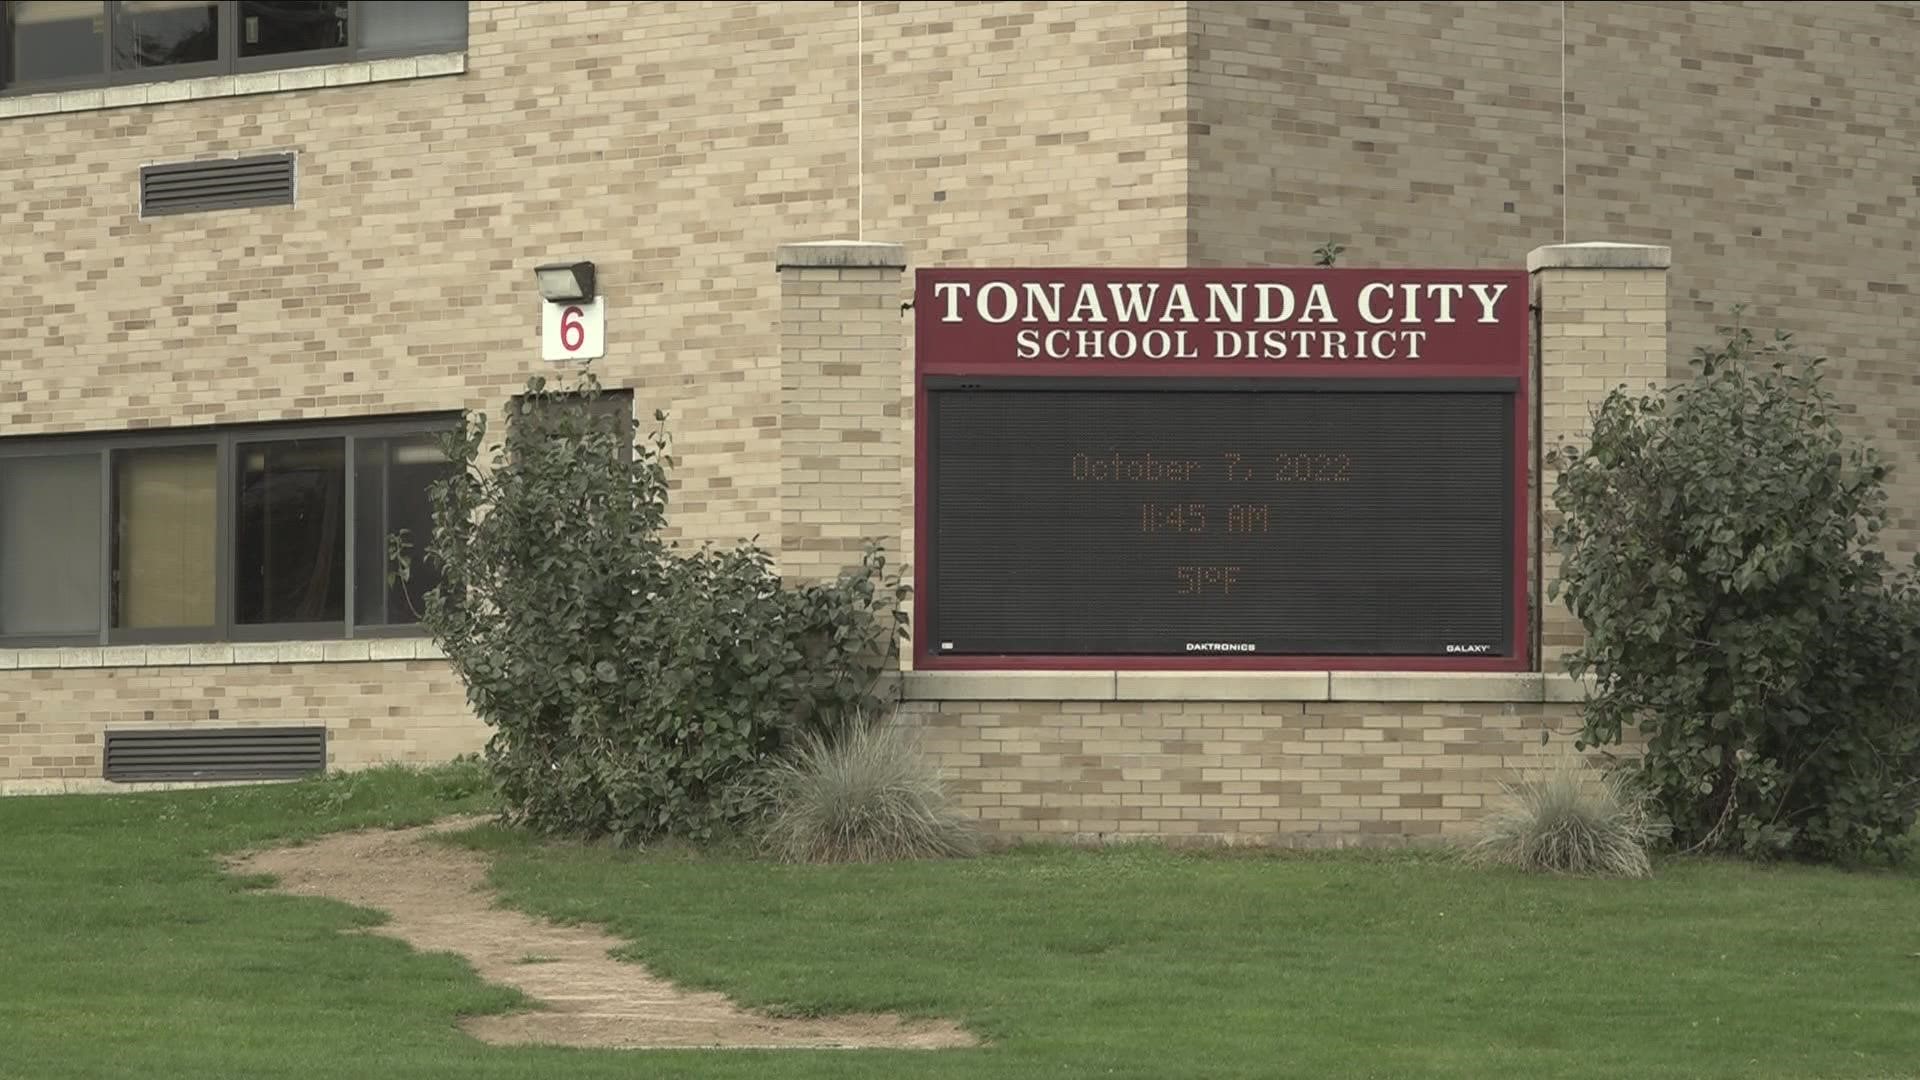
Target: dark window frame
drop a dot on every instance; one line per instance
(109, 528)
(224, 439)
(228, 62)
(199, 69)
(281, 631)
(247, 65)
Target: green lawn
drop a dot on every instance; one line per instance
(125, 952)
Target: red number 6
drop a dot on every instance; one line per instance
(573, 333)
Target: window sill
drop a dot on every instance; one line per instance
(220, 86)
(211, 655)
(1336, 686)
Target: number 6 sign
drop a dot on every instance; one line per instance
(574, 330)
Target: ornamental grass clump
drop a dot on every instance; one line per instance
(863, 794)
(1571, 819)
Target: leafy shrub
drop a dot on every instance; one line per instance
(1571, 819)
(630, 684)
(866, 794)
(1719, 544)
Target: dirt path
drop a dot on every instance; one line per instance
(438, 901)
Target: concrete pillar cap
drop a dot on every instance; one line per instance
(840, 255)
(1599, 255)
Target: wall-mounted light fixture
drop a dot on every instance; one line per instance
(564, 282)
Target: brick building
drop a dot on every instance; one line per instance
(165, 352)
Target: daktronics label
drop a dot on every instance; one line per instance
(1241, 468)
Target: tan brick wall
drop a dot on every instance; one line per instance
(675, 144)
(1599, 329)
(842, 426)
(52, 719)
(1769, 144)
(1291, 772)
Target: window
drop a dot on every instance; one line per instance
(392, 478)
(61, 44)
(165, 34)
(249, 533)
(163, 537)
(290, 550)
(50, 545)
(277, 27)
(413, 27)
(53, 41)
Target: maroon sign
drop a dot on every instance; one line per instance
(1204, 322)
(1302, 469)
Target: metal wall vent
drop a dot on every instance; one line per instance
(189, 186)
(261, 753)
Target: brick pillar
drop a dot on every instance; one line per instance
(1603, 323)
(842, 439)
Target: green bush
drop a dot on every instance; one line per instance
(630, 684)
(865, 794)
(1571, 819)
(1719, 546)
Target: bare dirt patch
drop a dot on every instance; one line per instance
(437, 900)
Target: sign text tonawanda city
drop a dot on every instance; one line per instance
(1222, 316)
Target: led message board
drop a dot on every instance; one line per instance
(1191, 468)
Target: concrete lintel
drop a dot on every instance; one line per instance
(1599, 255)
(215, 86)
(223, 654)
(1437, 686)
(1566, 688)
(1367, 686)
(1222, 686)
(392, 648)
(1008, 686)
(840, 255)
(94, 785)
